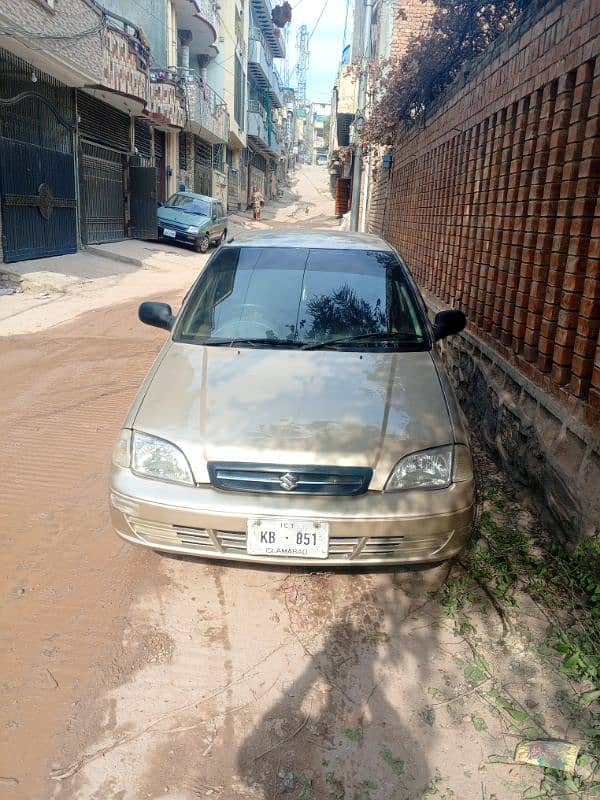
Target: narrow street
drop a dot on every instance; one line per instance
(130, 675)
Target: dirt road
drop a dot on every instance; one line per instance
(130, 675)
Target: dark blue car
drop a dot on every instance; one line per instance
(194, 219)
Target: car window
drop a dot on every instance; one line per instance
(301, 295)
(193, 205)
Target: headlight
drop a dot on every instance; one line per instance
(193, 229)
(157, 458)
(428, 469)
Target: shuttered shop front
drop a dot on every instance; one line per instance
(104, 148)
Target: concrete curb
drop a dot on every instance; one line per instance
(8, 277)
(112, 256)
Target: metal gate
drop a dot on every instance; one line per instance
(144, 218)
(104, 134)
(233, 189)
(160, 151)
(101, 173)
(203, 168)
(37, 180)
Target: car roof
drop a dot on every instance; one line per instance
(195, 196)
(310, 237)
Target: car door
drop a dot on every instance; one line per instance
(214, 220)
(222, 219)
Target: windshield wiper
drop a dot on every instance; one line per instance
(252, 342)
(405, 338)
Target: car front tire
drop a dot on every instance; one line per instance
(203, 244)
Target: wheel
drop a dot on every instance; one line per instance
(203, 244)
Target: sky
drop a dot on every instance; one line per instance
(325, 45)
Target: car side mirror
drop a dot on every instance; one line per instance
(159, 204)
(159, 315)
(447, 323)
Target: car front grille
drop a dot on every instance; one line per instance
(273, 478)
(233, 543)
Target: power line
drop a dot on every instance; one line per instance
(57, 36)
(318, 20)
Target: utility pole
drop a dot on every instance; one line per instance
(360, 114)
(302, 40)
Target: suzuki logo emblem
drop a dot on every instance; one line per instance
(288, 481)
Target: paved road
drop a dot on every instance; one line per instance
(129, 675)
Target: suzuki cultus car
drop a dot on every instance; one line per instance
(299, 412)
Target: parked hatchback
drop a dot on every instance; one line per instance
(299, 412)
(193, 219)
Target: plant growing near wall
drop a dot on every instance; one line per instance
(460, 30)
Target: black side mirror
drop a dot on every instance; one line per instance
(447, 323)
(159, 204)
(158, 314)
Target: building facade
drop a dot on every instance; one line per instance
(124, 104)
(266, 111)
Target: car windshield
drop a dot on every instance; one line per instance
(193, 205)
(303, 298)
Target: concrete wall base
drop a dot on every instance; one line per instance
(554, 457)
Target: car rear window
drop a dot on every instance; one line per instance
(303, 296)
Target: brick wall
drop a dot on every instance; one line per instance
(494, 204)
(412, 20)
(69, 18)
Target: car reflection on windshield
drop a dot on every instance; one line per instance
(253, 297)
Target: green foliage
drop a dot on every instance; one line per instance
(478, 723)
(506, 560)
(460, 31)
(505, 563)
(395, 764)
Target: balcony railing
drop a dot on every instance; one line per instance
(207, 113)
(206, 109)
(125, 61)
(260, 64)
(258, 126)
(208, 11)
(167, 100)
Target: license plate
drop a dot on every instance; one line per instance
(170, 233)
(296, 538)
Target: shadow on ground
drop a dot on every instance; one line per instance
(338, 730)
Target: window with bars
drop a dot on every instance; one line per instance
(183, 145)
(218, 157)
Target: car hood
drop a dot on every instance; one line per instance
(291, 407)
(180, 218)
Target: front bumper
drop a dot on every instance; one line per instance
(180, 236)
(373, 528)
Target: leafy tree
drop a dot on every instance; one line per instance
(460, 30)
(342, 312)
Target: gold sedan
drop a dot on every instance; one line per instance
(299, 412)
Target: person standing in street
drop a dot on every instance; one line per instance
(257, 201)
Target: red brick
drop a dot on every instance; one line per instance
(562, 356)
(582, 367)
(560, 374)
(565, 337)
